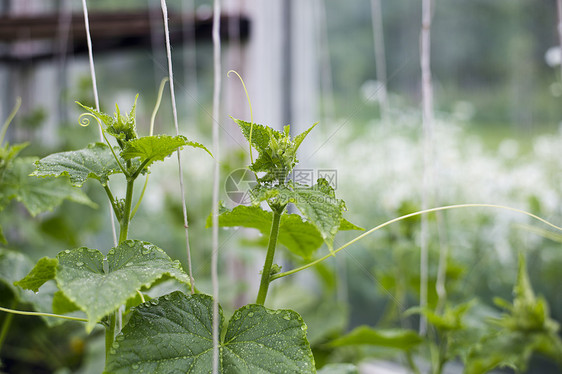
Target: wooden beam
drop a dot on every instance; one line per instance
(109, 31)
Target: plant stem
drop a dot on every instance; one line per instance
(38, 314)
(109, 334)
(6, 325)
(126, 217)
(266, 273)
(411, 363)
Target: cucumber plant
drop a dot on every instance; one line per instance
(172, 332)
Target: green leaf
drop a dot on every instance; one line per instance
(451, 319)
(62, 305)
(44, 270)
(156, 148)
(300, 237)
(121, 127)
(96, 161)
(345, 225)
(37, 194)
(392, 338)
(13, 267)
(320, 207)
(131, 265)
(300, 137)
(260, 134)
(2, 237)
(173, 334)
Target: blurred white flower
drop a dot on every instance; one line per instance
(552, 56)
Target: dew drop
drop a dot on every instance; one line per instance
(129, 264)
(154, 301)
(112, 351)
(287, 317)
(67, 251)
(79, 263)
(91, 250)
(130, 243)
(135, 366)
(251, 314)
(167, 297)
(115, 345)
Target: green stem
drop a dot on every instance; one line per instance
(140, 169)
(411, 363)
(112, 201)
(266, 273)
(137, 205)
(9, 120)
(6, 325)
(38, 314)
(109, 334)
(126, 218)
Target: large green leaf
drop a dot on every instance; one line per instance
(392, 338)
(80, 275)
(37, 194)
(96, 161)
(173, 334)
(130, 266)
(300, 237)
(156, 148)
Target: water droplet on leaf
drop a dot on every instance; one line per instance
(79, 263)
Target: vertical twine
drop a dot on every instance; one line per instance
(216, 118)
(175, 114)
(427, 110)
(96, 99)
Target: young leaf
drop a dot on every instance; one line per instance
(44, 270)
(392, 338)
(96, 161)
(300, 137)
(131, 265)
(260, 135)
(173, 334)
(156, 148)
(37, 194)
(123, 128)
